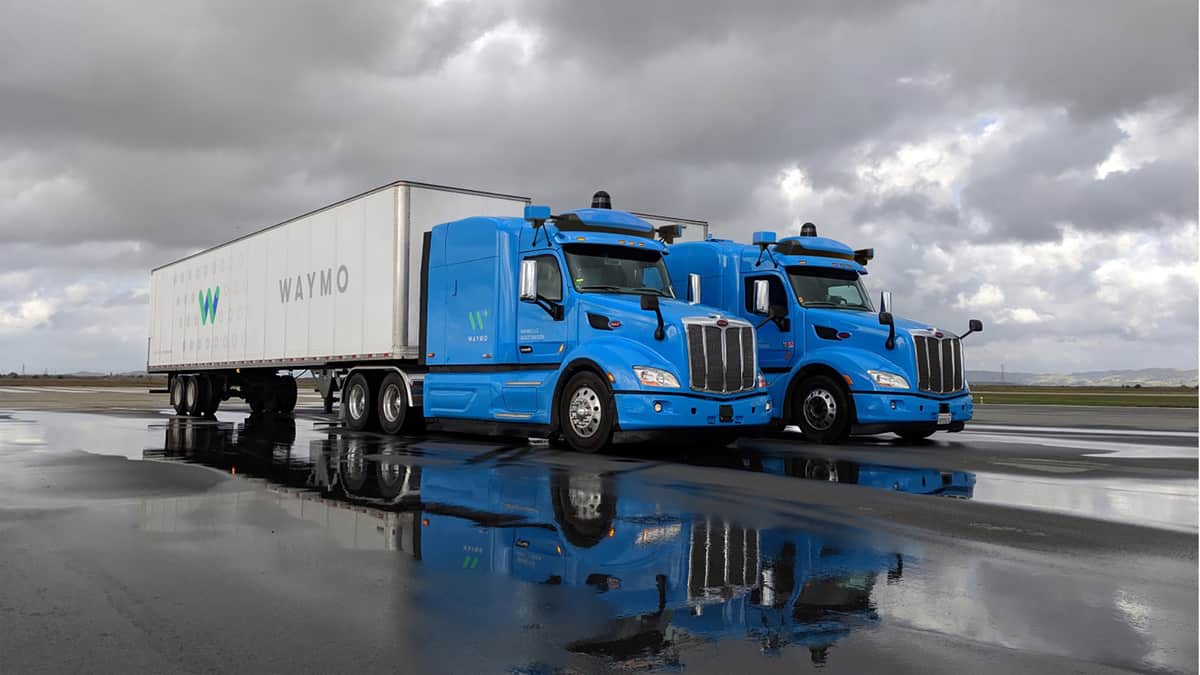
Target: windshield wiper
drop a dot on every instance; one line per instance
(623, 289)
(834, 305)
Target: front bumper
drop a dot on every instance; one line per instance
(881, 411)
(677, 410)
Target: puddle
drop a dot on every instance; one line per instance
(525, 559)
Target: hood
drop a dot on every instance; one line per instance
(673, 311)
(851, 321)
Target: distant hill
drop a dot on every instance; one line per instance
(1147, 377)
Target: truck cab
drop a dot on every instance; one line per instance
(836, 364)
(570, 325)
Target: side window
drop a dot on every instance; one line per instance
(774, 284)
(549, 278)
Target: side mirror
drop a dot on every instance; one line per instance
(885, 302)
(973, 326)
(650, 304)
(693, 289)
(528, 292)
(885, 319)
(762, 296)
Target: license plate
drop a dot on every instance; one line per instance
(943, 418)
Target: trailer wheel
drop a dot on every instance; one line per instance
(196, 395)
(285, 394)
(357, 408)
(393, 403)
(821, 408)
(586, 412)
(177, 395)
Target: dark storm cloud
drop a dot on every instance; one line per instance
(131, 132)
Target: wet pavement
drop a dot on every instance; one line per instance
(141, 542)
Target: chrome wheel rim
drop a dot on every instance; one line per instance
(176, 393)
(584, 412)
(391, 403)
(584, 496)
(356, 464)
(192, 393)
(820, 409)
(356, 402)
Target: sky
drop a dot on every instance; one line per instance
(1030, 164)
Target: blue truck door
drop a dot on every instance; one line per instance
(775, 346)
(541, 338)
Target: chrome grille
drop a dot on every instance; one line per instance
(721, 359)
(722, 561)
(939, 362)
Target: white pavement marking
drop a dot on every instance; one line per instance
(1078, 430)
(1104, 448)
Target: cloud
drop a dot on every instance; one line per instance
(994, 153)
(25, 316)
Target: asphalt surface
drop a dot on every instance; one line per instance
(1041, 540)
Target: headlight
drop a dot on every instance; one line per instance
(655, 377)
(889, 380)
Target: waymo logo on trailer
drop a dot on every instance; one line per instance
(208, 304)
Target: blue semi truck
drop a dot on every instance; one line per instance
(834, 363)
(461, 309)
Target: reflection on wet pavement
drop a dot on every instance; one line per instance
(663, 577)
(505, 556)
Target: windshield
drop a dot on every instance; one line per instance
(825, 287)
(617, 269)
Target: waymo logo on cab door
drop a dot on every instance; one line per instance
(208, 304)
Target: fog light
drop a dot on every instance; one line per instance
(657, 407)
(767, 407)
(893, 405)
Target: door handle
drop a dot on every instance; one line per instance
(525, 349)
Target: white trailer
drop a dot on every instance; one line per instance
(334, 291)
(332, 288)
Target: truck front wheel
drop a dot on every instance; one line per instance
(357, 404)
(586, 412)
(821, 408)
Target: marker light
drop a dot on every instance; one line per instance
(889, 380)
(655, 377)
(762, 381)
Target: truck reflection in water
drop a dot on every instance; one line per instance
(664, 576)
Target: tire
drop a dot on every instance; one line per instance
(821, 408)
(590, 427)
(392, 404)
(358, 410)
(914, 435)
(585, 507)
(285, 394)
(212, 400)
(177, 394)
(195, 395)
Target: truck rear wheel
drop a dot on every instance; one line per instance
(357, 403)
(821, 408)
(178, 395)
(213, 389)
(586, 412)
(393, 403)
